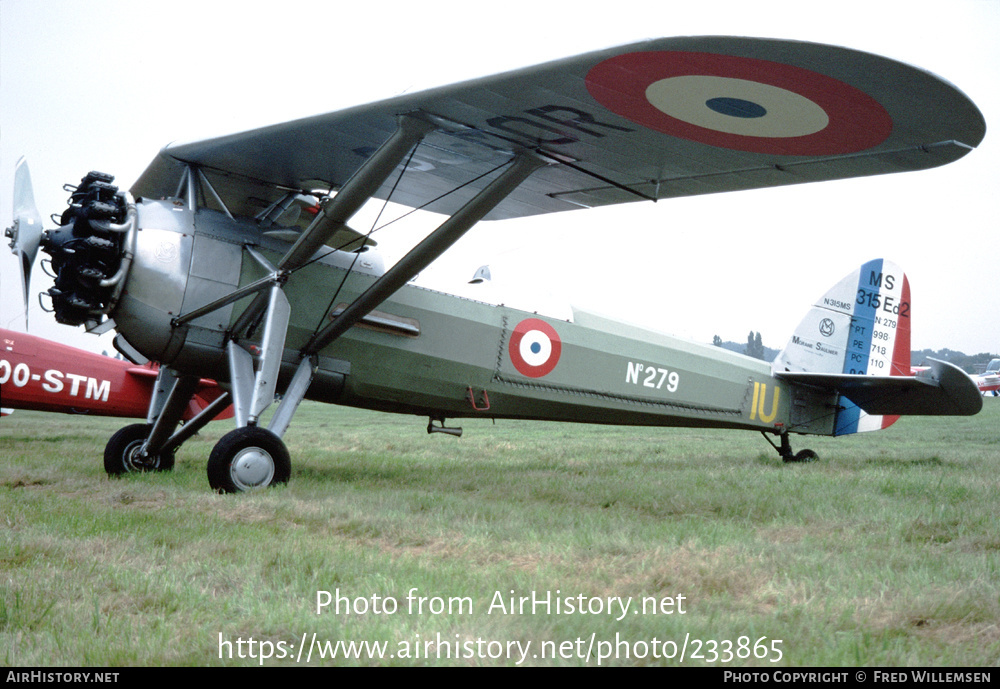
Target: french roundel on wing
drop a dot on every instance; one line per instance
(534, 348)
(740, 103)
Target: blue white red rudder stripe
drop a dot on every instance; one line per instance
(860, 327)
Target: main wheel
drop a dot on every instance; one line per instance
(122, 456)
(246, 459)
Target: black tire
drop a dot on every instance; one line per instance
(803, 456)
(246, 459)
(121, 453)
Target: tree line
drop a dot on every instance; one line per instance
(754, 347)
(970, 363)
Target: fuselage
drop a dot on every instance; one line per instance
(43, 375)
(430, 353)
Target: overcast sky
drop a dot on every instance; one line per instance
(104, 85)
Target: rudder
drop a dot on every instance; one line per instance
(862, 327)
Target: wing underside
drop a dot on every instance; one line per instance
(656, 120)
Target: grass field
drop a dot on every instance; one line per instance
(886, 552)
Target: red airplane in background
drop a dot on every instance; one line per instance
(989, 381)
(40, 374)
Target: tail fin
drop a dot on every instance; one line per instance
(860, 327)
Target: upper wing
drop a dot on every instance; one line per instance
(664, 118)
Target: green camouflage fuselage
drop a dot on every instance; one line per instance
(429, 353)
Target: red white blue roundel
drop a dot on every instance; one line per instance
(534, 348)
(740, 103)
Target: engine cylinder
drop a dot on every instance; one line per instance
(86, 250)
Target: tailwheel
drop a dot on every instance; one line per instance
(785, 450)
(802, 456)
(247, 459)
(123, 453)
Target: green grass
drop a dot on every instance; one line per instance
(885, 552)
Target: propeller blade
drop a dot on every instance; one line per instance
(26, 232)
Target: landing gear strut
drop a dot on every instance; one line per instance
(151, 446)
(785, 450)
(123, 454)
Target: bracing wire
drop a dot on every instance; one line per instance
(375, 227)
(404, 215)
(357, 254)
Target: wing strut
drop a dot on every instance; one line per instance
(335, 213)
(358, 189)
(433, 245)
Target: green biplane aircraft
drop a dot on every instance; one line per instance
(232, 258)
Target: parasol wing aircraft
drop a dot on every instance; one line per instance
(232, 258)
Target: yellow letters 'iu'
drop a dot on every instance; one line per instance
(757, 408)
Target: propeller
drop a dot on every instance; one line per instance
(26, 232)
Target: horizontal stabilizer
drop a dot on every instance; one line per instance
(941, 390)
